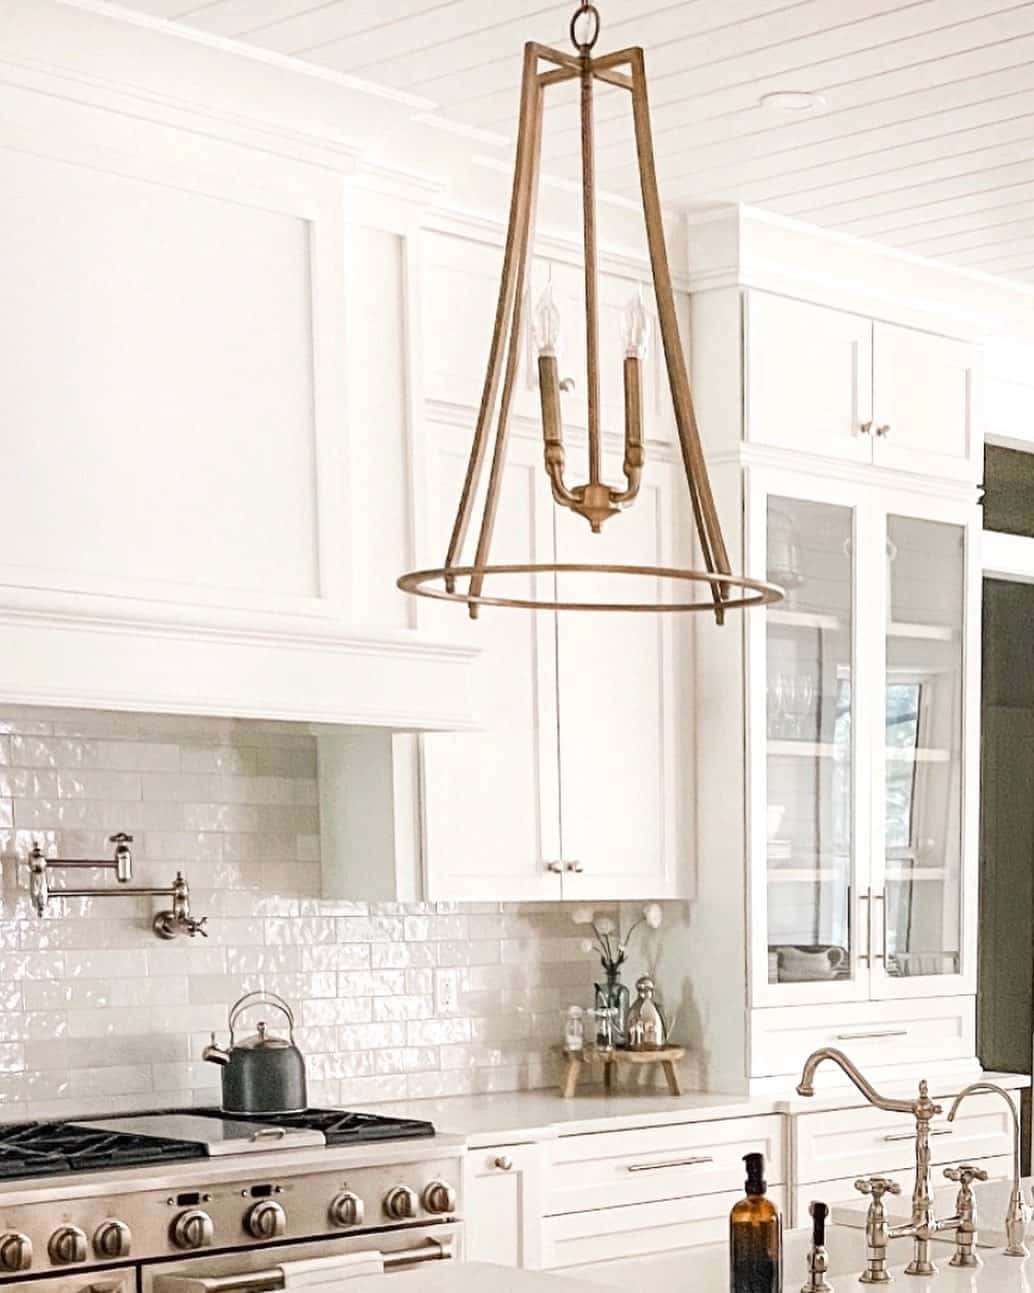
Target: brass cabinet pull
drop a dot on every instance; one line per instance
(504, 1162)
(675, 1162)
(883, 431)
(866, 428)
(555, 867)
(576, 867)
(862, 1037)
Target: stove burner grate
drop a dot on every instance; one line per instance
(52, 1148)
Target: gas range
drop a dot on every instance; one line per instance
(178, 1195)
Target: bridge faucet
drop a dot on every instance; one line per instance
(923, 1224)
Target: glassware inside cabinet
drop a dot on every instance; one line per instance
(922, 906)
(809, 835)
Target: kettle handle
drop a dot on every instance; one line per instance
(256, 998)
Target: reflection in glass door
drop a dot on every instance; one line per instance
(809, 820)
(922, 905)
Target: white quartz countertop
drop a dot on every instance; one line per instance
(471, 1277)
(523, 1116)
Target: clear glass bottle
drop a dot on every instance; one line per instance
(755, 1236)
(574, 1030)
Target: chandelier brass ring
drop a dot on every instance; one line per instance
(417, 582)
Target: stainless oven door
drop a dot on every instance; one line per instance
(110, 1280)
(262, 1270)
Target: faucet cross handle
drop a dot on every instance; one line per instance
(877, 1186)
(965, 1174)
(877, 1233)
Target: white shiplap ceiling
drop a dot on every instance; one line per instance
(924, 141)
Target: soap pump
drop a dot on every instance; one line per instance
(818, 1258)
(755, 1236)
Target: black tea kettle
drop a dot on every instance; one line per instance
(261, 1074)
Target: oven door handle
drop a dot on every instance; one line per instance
(272, 1280)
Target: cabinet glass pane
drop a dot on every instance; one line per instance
(923, 835)
(1008, 489)
(809, 818)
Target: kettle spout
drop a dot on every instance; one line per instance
(215, 1054)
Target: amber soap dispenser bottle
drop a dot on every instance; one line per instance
(755, 1236)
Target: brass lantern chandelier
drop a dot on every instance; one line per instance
(595, 500)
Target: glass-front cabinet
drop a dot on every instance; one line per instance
(862, 798)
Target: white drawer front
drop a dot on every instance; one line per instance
(870, 1032)
(872, 1141)
(610, 1233)
(618, 1168)
(842, 1191)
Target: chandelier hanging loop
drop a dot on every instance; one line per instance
(585, 16)
(594, 498)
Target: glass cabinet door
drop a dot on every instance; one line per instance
(918, 918)
(809, 824)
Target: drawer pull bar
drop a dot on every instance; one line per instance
(863, 1037)
(910, 1135)
(676, 1162)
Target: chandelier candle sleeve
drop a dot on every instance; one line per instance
(595, 499)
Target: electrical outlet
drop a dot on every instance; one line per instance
(446, 991)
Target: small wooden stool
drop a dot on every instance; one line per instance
(576, 1060)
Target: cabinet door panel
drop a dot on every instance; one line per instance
(924, 398)
(502, 1206)
(622, 715)
(808, 378)
(490, 798)
(923, 782)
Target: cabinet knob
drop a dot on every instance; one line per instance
(555, 867)
(504, 1162)
(865, 428)
(883, 431)
(576, 867)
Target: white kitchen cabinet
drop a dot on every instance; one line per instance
(571, 790)
(502, 1205)
(808, 377)
(837, 384)
(863, 769)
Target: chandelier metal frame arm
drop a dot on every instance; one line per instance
(595, 500)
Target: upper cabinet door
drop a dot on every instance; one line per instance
(808, 380)
(925, 403)
(490, 798)
(925, 768)
(809, 842)
(623, 713)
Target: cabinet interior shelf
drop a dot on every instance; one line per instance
(827, 750)
(785, 618)
(778, 874)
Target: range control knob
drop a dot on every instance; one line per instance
(192, 1229)
(266, 1220)
(400, 1203)
(15, 1252)
(347, 1210)
(67, 1246)
(440, 1198)
(112, 1240)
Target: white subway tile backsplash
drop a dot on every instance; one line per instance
(392, 1001)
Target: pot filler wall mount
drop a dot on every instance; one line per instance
(167, 924)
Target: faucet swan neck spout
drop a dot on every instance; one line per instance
(923, 1108)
